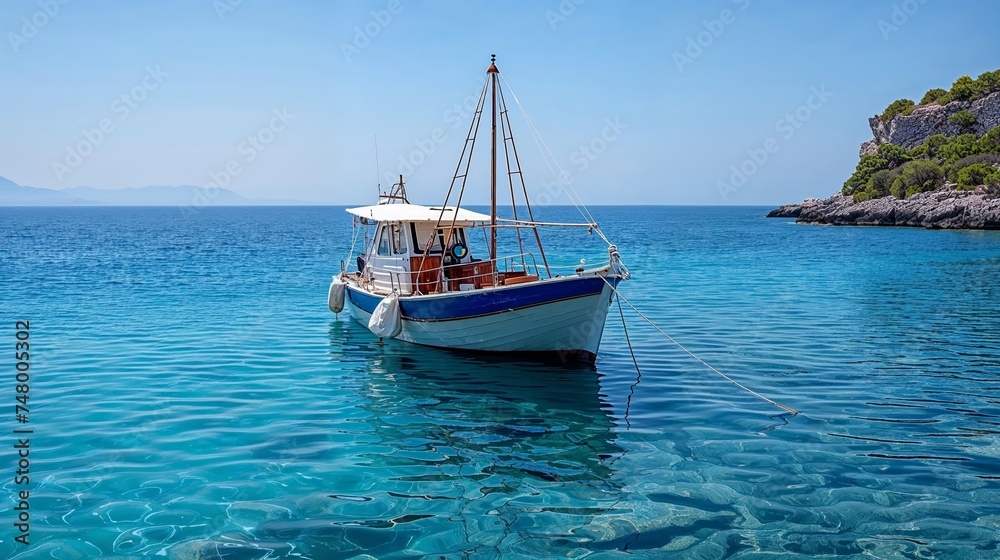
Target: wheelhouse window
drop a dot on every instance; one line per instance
(399, 244)
(436, 241)
(383, 242)
(458, 237)
(428, 239)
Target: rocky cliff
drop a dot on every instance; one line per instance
(905, 179)
(941, 209)
(912, 130)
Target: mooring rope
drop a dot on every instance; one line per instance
(638, 373)
(692, 354)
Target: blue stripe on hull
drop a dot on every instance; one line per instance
(463, 305)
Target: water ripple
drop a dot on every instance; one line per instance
(193, 398)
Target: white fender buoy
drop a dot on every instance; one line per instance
(387, 320)
(335, 298)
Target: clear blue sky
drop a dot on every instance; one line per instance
(201, 76)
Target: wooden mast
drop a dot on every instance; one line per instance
(492, 71)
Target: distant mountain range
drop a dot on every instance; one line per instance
(12, 194)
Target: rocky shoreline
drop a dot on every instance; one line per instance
(944, 208)
(933, 153)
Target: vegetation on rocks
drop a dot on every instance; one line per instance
(935, 164)
(933, 95)
(964, 119)
(976, 174)
(964, 89)
(965, 160)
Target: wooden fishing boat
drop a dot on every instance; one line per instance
(417, 280)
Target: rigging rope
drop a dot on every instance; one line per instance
(354, 240)
(692, 354)
(443, 136)
(562, 176)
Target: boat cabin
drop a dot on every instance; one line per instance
(425, 250)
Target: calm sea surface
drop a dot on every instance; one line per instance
(191, 396)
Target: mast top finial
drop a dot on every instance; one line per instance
(493, 65)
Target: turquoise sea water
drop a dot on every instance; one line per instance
(192, 397)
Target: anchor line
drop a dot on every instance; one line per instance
(638, 374)
(692, 354)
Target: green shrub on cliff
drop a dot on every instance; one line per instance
(893, 155)
(963, 119)
(963, 89)
(990, 142)
(988, 82)
(967, 89)
(952, 170)
(888, 156)
(961, 146)
(917, 177)
(934, 143)
(869, 164)
(897, 107)
(944, 99)
(972, 176)
(878, 185)
(920, 152)
(932, 96)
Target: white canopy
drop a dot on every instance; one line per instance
(418, 213)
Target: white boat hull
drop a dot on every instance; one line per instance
(570, 328)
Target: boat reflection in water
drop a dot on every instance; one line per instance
(456, 452)
(525, 416)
